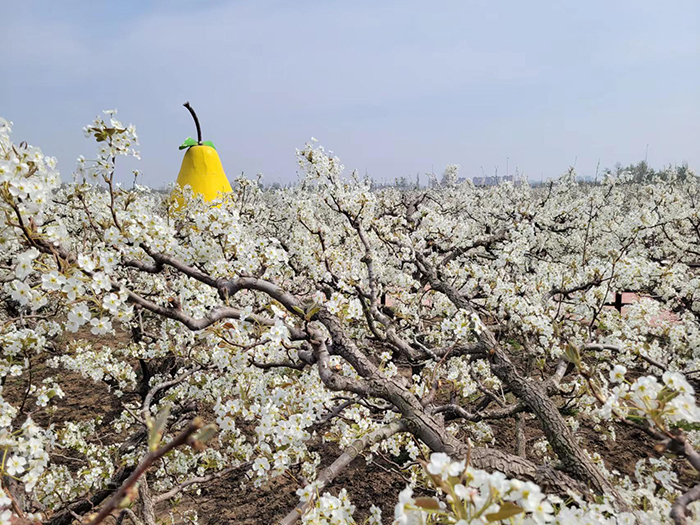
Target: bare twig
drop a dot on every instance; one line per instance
(679, 445)
(161, 386)
(498, 413)
(147, 505)
(679, 510)
(198, 481)
(179, 440)
(520, 439)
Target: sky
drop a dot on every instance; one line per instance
(392, 88)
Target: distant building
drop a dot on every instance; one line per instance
(492, 181)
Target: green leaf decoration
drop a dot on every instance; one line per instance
(189, 142)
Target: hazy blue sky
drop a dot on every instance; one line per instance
(391, 87)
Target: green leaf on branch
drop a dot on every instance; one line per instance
(572, 355)
(157, 428)
(427, 503)
(313, 311)
(206, 434)
(507, 510)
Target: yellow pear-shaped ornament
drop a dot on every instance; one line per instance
(201, 167)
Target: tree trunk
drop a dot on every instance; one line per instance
(558, 433)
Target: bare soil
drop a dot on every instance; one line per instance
(226, 502)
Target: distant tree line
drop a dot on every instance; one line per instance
(642, 172)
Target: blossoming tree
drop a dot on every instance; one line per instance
(412, 322)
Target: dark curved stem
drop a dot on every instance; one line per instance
(196, 121)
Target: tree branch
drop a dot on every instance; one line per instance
(181, 439)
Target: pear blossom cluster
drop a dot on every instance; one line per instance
(327, 509)
(115, 139)
(664, 402)
(461, 324)
(471, 496)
